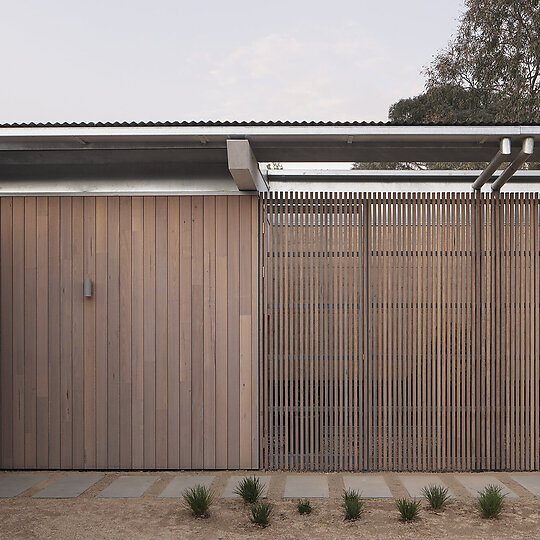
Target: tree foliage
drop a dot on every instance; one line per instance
(387, 165)
(448, 103)
(488, 73)
(274, 166)
(494, 59)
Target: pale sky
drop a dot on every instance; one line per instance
(66, 61)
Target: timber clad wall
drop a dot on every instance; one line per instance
(400, 332)
(159, 368)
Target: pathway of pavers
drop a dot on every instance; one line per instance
(297, 485)
(179, 484)
(15, 484)
(368, 485)
(530, 481)
(235, 480)
(128, 487)
(415, 483)
(69, 487)
(474, 483)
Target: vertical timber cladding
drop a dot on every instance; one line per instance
(400, 331)
(159, 368)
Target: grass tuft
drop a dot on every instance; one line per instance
(408, 509)
(352, 505)
(304, 507)
(437, 496)
(491, 501)
(260, 513)
(250, 489)
(198, 499)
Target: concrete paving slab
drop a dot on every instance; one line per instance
(414, 484)
(15, 484)
(299, 486)
(233, 482)
(69, 487)
(530, 481)
(127, 487)
(475, 483)
(179, 484)
(369, 486)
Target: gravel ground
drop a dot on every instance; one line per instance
(150, 517)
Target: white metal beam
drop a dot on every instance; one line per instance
(244, 167)
(505, 150)
(526, 152)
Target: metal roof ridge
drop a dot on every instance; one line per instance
(259, 123)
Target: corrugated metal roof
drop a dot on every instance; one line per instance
(247, 123)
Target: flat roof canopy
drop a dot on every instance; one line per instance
(207, 152)
(339, 142)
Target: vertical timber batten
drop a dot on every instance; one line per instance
(416, 347)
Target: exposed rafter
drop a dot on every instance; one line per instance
(244, 167)
(505, 150)
(526, 152)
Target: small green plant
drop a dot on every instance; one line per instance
(304, 507)
(352, 505)
(198, 499)
(250, 489)
(490, 501)
(437, 496)
(260, 513)
(408, 509)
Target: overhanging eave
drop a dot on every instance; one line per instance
(378, 143)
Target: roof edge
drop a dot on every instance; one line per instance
(254, 123)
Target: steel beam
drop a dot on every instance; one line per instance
(244, 167)
(505, 150)
(526, 152)
(274, 142)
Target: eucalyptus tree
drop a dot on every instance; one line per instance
(488, 73)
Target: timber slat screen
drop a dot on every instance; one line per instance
(158, 369)
(400, 331)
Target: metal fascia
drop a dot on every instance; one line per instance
(273, 131)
